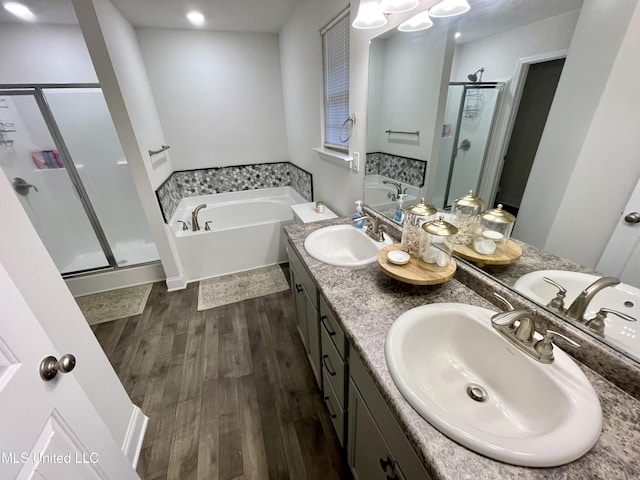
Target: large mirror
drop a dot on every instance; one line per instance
(510, 101)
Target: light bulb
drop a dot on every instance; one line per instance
(449, 8)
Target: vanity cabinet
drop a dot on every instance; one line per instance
(306, 299)
(377, 447)
(334, 368)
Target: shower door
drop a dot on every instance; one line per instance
(469, 118)
(60, 148)
(31, 159)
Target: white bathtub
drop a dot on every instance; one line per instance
(246, 231)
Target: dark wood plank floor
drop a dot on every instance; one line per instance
(228, 391)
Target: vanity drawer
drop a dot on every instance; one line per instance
(333, 328)
(333, 406)
(333, 367)
(303, 274)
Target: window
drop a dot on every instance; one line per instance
(335, 72)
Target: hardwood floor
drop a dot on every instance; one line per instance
(228, 391)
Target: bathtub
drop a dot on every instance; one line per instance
(246, 231)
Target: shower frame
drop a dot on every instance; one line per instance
(37, 91)
(468, 86)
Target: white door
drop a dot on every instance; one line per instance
(621, 257)
(49, 430)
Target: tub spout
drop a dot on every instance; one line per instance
(195, 226)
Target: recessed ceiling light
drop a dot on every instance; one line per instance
(196, 18)
(19, 10)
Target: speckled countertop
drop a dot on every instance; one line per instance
(367, 302)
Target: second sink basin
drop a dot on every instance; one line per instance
(343, 246)
(470, 383)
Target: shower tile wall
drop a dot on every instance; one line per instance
(403, 169)
(191, 183)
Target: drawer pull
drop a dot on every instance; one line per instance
(329, 331)
(299, 288)
(385, 464)
(327, 402)
(329, 368)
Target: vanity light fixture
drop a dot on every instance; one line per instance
(19, 10)
(369, 15)
(398, 6)
(449, 8)
(196, 18)
(421, 21)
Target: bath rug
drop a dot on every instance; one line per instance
(114, 304)
(236, 287)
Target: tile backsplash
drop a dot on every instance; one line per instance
(403, 169)
(190, 183)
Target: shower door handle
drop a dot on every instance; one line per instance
(21, 186)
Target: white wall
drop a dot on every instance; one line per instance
(116, 57)
(405, 91)
(219, 95)
(592, 52)
(44, 54)
(25, 258)
(607, 168)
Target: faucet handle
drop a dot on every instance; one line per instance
(597, 323)
(207, 226)
(544, 347)
(557, 303)
(510, 307)
(184, 225)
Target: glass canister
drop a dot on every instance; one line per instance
(466, 214)
(496, 225)
(415, 216)
(438, 242)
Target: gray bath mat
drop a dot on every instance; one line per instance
(114, 304)
(236, 287)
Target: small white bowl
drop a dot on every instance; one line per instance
(398, 257)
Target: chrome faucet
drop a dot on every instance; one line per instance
(195, 226)
(522, 334)
(373, 229)
(579, 306)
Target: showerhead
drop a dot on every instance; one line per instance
(475, 76)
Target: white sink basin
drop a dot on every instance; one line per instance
(622, 297)
(534, 414)
(343, 246)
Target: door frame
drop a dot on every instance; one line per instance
(505, 121)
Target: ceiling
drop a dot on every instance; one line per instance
(266, 16)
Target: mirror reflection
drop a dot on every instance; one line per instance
(504, 101)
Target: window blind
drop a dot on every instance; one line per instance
(335, 70)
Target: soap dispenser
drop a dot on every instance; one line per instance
(399, 215)
(358, 214)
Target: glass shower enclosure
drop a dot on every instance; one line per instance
(468, 122)
(60, 150)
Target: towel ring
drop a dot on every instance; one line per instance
(352, 121)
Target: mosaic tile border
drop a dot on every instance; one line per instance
(403, 169)
(205, 181)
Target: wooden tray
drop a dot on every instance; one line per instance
(416, 272)
(508, 254)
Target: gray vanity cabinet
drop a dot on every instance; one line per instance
(377, 447)
(306, 299)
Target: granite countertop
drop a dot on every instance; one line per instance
(366, 302)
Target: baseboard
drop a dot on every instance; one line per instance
(132, 444)
(176, 283)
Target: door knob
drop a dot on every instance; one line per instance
(633, 217)
(50, 366)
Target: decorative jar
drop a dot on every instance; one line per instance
(466, 214)
(438, 242)
(415, 216)
(496, 225)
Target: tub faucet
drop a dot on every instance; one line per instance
(195, 226)
(579, 306)
(395, 184)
